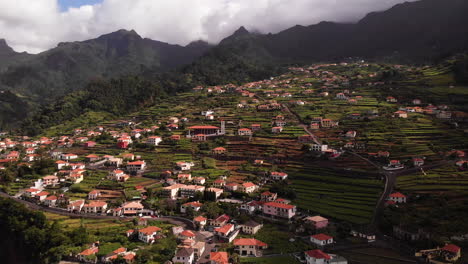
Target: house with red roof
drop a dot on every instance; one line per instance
(244, 132)
(118, 175)
(148, 234)
(280, 210)
(50, 180)
(220, 220)
(50, 201)
(317, 256)
(248, 187)
(268, 196)
(418, 162)
(219, 183)
(200, 222)
(94, 194)
(219, 258)
(92, 157)
(95, 207)
(317, 221)
(401, 114)
(321, 239)
(196, 206)
(451, 252)
(87, 253)
(278, 176)
(276, 130)
(219, 151)
(31, 192)
(41, 196)
(153, 140)
(249, 247)
(397, 197)
(75, 206)
(136, 166)
(224, 232)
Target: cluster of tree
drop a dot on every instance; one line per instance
(27, 237)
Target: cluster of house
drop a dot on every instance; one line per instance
(90, 253)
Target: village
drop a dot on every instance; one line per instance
(325, 157)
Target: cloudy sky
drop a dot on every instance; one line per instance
(38, 25)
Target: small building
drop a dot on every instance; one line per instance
(219, 258)
(275, 209)
(184, 256)
(248, 187)
(244, 132)
(251, 227)
(401, 114)
(317, 221)
(50, 201)
(200, 222)
(249, 247)
(418, 162)
(278, 176)
(136, 166)
(321, 239)
(94, 194)
(268, 196)
(153, 140)
(219, 151)
(196, 206)
(276, 130)
(50, 180)
(397, 197)
(148, 234)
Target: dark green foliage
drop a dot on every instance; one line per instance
(28, 238)
(460, 69)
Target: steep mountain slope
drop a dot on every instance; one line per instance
(416, 32)
(413, 32)
(8, 56)
(70, 66)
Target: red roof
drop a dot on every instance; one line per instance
(199, 219)
(43, 193)
(120, 250)
(89, 251)
(136, 163)
(451, 248)
(224, 229)
(150, 230)
(187, 233)
(398, 195)
(51, 198)
(280, 205)
(249, 242)
(318, 254)
(203, 127)
(322, 237)
(219, 257)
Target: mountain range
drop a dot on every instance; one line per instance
(412, 32)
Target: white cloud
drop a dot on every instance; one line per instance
(38, 25)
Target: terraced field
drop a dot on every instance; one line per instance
(444, 179)
(346, 196)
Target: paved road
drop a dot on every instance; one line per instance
(180, 221)
(301, 124)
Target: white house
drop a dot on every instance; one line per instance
(321, 239)
(397, 197)
(184, 256)
(148, 234)
(153, 141)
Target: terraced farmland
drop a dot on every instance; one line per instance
(444, 179)
(343, 195)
